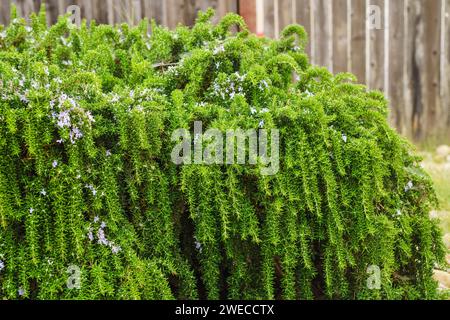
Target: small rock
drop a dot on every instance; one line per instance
(442, 277)
(447, 240)
(443, 151)
(434, 214)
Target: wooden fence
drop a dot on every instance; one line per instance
(405, 53)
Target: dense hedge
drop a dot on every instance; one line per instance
(86, 179)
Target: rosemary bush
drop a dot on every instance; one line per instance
(86, 179)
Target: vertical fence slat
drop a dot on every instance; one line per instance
(433, 35)
(423, 67)
(190, 12)
(102, 8)
(86, 9)
(285, 14)
(28, 8)
(445, 67)
(323, 33)
(226, 6)
(386, 45)
(340, 36)
(446, 100)
(175, 12)
(396, 65)
(247, 9)
(61, 7)
(276, 18)
(375, 46)
(154, 10)
(52, 9)
(358, 39)
(137, 11)
(304, 18)
(414, 78)
(4, 12)
(412, 98)
(269, 30)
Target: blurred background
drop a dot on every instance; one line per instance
(401, 47)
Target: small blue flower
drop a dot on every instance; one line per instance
(21, 292)
(93, 190)
(102, 238)
(55, 163)
(115, 249)
(90, 236)
(409, 186)
(2, 265)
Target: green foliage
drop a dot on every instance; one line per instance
(86, 178)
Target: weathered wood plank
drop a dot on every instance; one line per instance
(269, 27)
(303, 17)
(5, 10)
(247, 9)
(340, 36)
(27, 8)
(358, 39)
(375, 45)
(226, 6)
(423, 67)
(323, 33)
(154, 10)
(175, 12)
(431, 85)
(445, 67)
(285, 13)
(396, 65)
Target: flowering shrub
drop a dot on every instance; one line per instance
(86, 180)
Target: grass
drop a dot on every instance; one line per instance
(440, 173)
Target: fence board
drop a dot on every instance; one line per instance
(340, 36)
(323, 33)
(431, 85)
(4, 12)
(375, 52)
(446, 71)
(358, 39)
(396, 65)
(285, 13)
(269, 30)
(303, 16)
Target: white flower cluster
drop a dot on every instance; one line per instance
(101, 237)
(232, 86)
(138, 97)
(198, 245)
(409, 186)
(65, 117)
